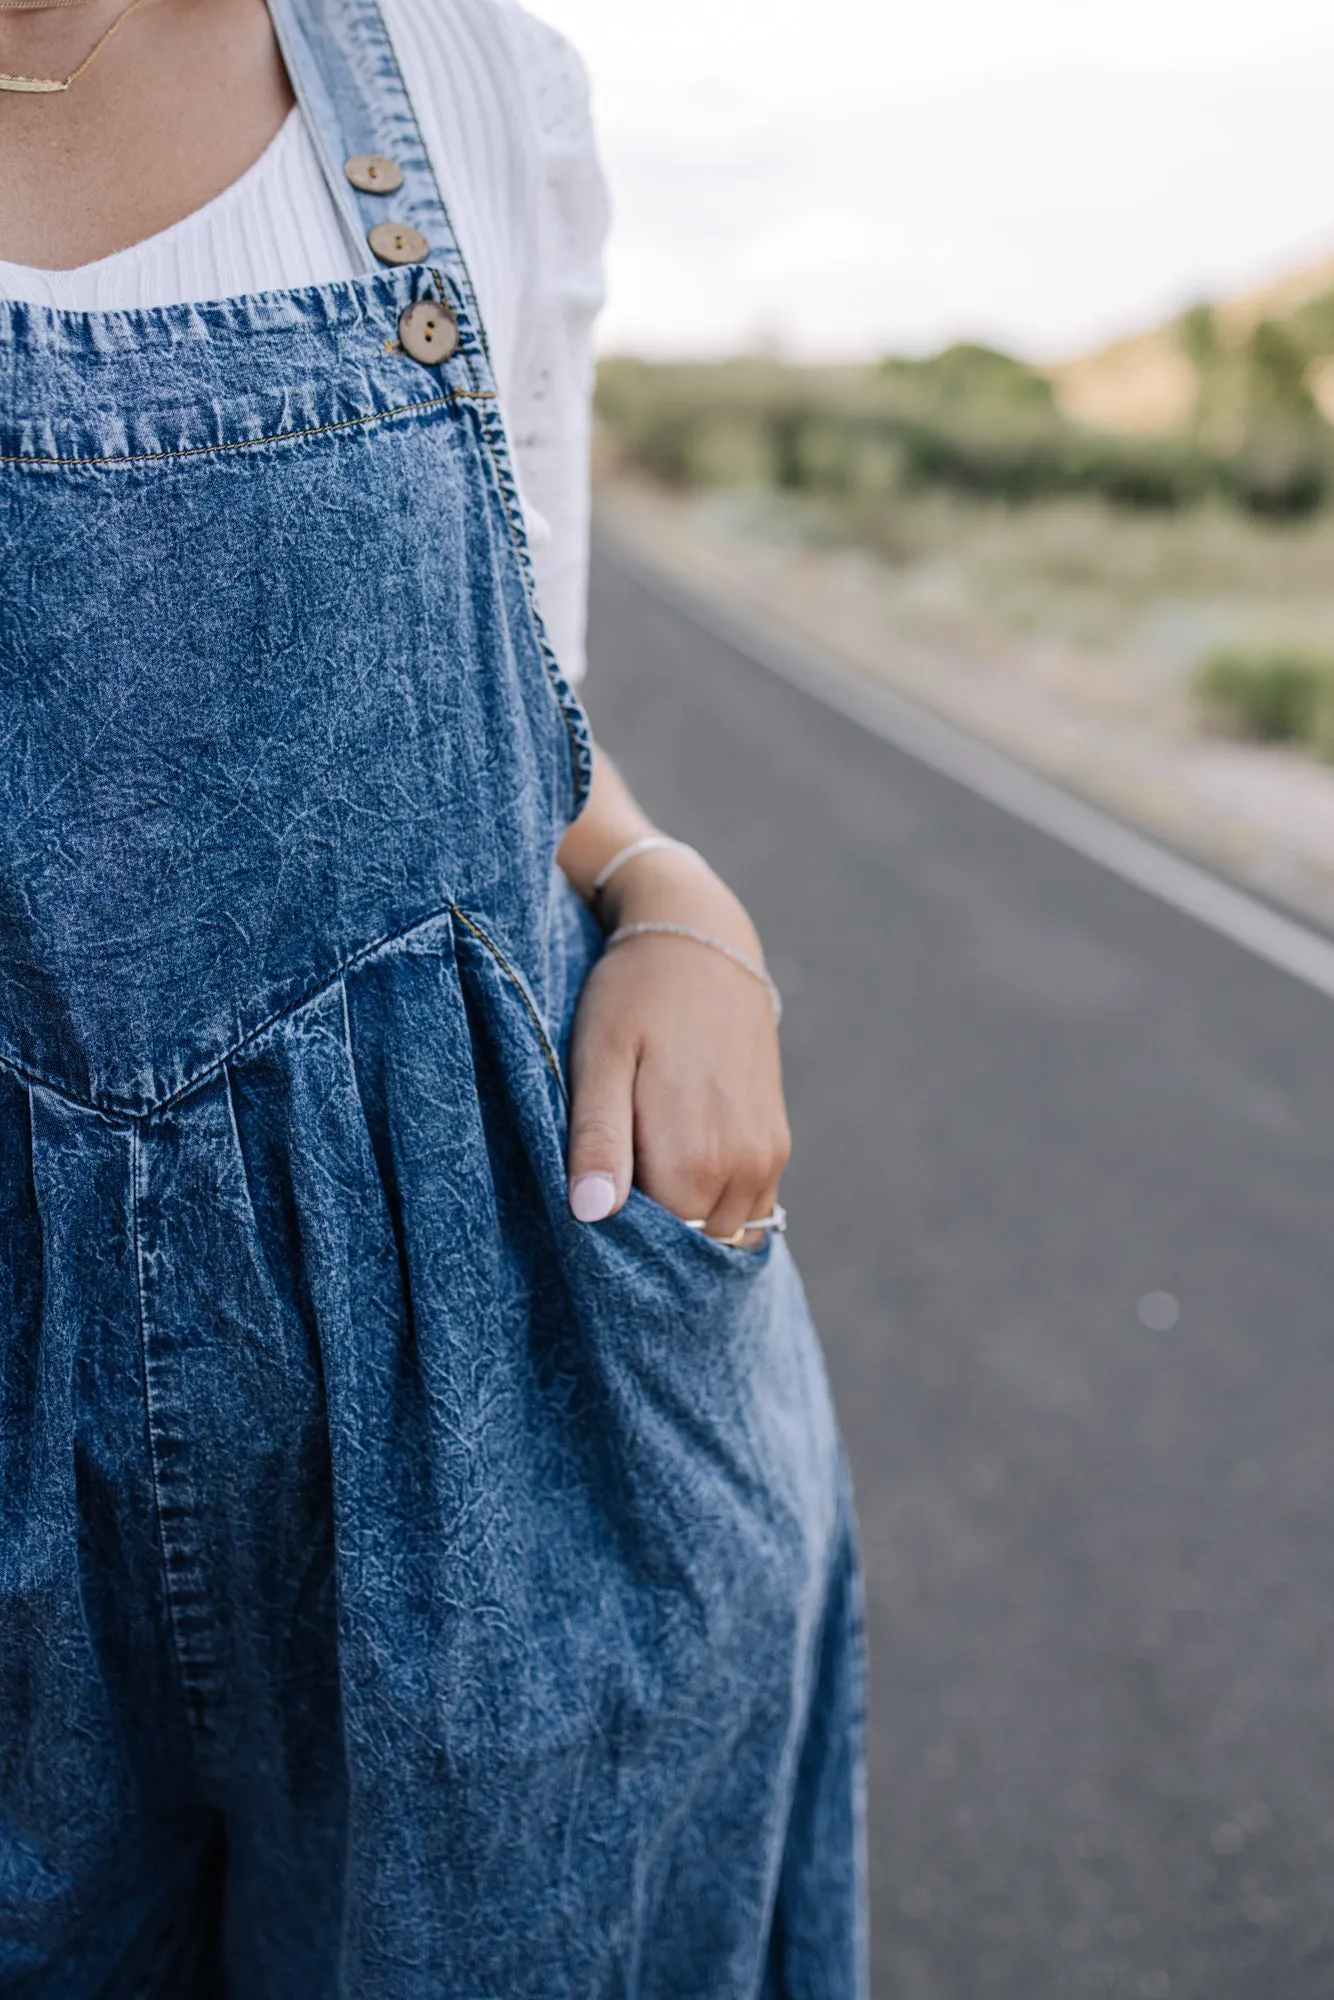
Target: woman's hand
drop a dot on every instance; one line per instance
(674, 1064)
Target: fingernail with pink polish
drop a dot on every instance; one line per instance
(592, 1197)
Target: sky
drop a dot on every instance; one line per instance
(842, 178)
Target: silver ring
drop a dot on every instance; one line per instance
(775, 1222)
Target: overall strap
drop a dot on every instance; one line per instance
(345, 73)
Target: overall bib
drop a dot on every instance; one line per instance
(405, 1590)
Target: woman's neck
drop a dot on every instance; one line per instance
(178, 104)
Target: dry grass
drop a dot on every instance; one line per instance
(1088, 574)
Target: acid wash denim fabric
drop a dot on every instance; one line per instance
(405, 1591)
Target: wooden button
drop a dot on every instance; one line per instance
(398, 243)
(373, 174)
(429, 332)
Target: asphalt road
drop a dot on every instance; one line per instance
(1100, 1554)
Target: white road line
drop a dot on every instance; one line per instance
(1229, 911)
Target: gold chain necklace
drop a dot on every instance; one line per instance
(44, 84)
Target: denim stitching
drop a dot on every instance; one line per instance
(134, 1114)
(251, 444)
(472, 324)
(520, 985)
(560, 687)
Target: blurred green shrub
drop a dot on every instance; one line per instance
(1280, 470)
(979, 422)
(1276, 358)
(1272, 694)
(969, 380)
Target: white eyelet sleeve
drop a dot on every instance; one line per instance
(503, 104)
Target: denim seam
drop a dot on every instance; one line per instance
(478, 330)
(252, 444)
(135, 1112)
(520, 985)
(561, 690)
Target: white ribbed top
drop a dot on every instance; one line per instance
(503, 104)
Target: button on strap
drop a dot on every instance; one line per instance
(373, 173)
(428, 332)
(398, 243)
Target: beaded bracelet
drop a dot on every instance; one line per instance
(738, 958)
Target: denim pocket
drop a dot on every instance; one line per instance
(657, 1217)
(667, 1231)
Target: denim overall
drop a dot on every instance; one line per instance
(405, 1590)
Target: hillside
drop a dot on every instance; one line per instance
(1149, 384)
